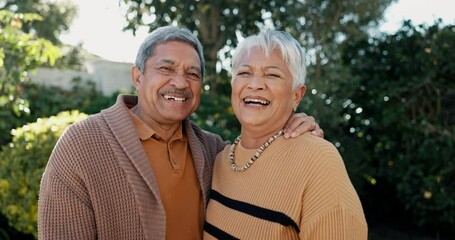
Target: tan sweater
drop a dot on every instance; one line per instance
(98, 183)
(297, 189)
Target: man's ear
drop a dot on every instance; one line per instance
(136, 76)
(298, 95)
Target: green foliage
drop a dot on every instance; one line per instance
(71, 59)
(22, 164)
(402, 114)
(46, 101)
(318, 24)
(55, 16)
(19, 53)
(215, 114)
(54, 19)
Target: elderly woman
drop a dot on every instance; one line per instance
(265, 187)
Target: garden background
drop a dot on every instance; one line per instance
(385, 100)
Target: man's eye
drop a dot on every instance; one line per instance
(194, 75)
(165, 68)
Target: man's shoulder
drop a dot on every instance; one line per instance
(85, 128)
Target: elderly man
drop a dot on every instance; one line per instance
(140, 169)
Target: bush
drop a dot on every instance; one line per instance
(22, 164)
(20, 53)
(43, 101)
(402, 117)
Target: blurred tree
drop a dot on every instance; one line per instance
(56, 18)
(402, 118)
(22, 164)
(218, 23)
(20, 53)
(320, 25)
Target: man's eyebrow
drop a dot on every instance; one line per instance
(171, 62)
(166, 61)
(196, 68)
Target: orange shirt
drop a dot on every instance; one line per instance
(173, 167)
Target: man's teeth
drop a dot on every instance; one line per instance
(256, 101)
(178, 99)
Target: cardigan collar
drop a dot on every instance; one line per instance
(121, 125)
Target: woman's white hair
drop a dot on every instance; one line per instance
(269, 40)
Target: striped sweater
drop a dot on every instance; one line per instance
(297, 189)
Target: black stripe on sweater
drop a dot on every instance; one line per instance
(254, 210)
(217, 233)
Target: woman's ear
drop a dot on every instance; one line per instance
(298, 95)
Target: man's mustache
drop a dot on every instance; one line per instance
(180, 92)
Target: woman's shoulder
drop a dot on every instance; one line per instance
(312, 150)
(310, 141)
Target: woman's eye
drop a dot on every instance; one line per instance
(243, 73)
(272, 75)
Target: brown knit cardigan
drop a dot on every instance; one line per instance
(98, 183)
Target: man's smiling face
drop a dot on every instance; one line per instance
(169, 89)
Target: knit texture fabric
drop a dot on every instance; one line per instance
(297, 189)
(98, 183)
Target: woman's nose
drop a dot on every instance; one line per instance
(256, 83)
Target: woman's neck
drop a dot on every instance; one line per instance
(253, 138)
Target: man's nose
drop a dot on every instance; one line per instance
(179, 81)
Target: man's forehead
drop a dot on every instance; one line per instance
(164, 61)
(173, 42)
(168, 47)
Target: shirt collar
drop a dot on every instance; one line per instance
(145, 132)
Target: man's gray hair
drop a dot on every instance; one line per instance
(291, 51)
(164, 35)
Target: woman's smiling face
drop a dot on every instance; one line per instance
(262, 90)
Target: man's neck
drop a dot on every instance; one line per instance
(165, 131)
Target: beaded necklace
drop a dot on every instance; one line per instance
(254, 157)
